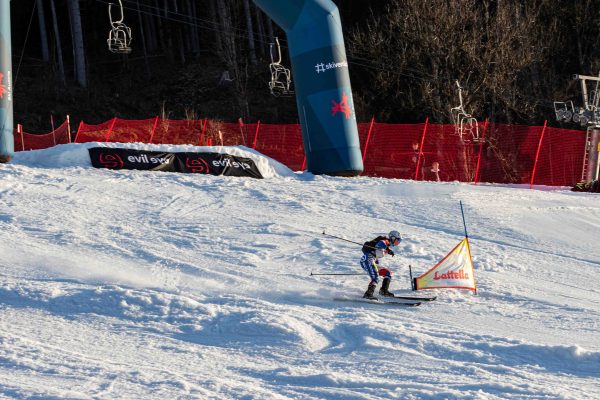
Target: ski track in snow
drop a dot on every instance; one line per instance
(130, 284)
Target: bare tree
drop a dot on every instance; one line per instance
(176, 27)
(59, 55)
(215, 24)
(78, 47)
(262, 43)
(43, 33)
(193, 31)
(150, 30)
(587, 26)
(229, 53)
(418, 49)
(164, 29)
(250, 30)
(143, 40)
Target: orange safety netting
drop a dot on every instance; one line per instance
(94, 133)
(509, 152)
(177, 132)
(131, 131)
(283, 143)
(560, 158)
(537, 155)
(392, 150)
(30, 141)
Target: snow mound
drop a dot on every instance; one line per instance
(76, 155)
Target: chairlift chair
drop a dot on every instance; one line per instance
(119, 37)
(470, 127)
(465, 125)
(564, 111)
(584, 117)
(281, 77)
(458, 113)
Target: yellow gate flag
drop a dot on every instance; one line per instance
(454, 271)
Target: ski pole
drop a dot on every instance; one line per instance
(312, 274)
(349, 241)
(341, 238)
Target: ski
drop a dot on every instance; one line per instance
(418, 298)
(382, 301)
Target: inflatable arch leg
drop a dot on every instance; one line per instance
(6, 104)
(321, 83)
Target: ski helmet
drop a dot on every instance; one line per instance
(393, 235)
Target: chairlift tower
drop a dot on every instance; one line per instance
(589, 116)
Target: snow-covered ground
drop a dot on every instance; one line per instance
(131, 284)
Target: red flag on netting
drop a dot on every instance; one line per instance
(454, 271)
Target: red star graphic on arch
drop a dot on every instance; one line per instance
(2, 87)
(342, 107)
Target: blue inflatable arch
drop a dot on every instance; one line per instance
(321, 82)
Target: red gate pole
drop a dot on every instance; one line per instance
(485, 126)
(111, 128)
(20, 131)
(421, 149)
(537, 154)
(153, 129)
(241, 124)
(368, 138)
(303, 164)
(69, 128)
(53, 130)
(256, 135)
(78, 130)
(202, 132)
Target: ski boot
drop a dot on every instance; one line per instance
(369, 293)
(385, 285)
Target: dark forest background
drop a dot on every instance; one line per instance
(512, 58)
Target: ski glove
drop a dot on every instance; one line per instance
(390, 252)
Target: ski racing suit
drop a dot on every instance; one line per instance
(372, 252)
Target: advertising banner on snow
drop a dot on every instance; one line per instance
(194, 163)
(454, 271)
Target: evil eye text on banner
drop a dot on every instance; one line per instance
(199, 163)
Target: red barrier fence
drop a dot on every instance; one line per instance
(30, 141)
(531, 155)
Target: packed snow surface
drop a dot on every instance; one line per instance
(133, 284)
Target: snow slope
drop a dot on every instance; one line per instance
(131, 284)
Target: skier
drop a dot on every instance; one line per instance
(373, 250)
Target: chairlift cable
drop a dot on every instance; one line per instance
(24, 45)
(185, 19)
(217, 27)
